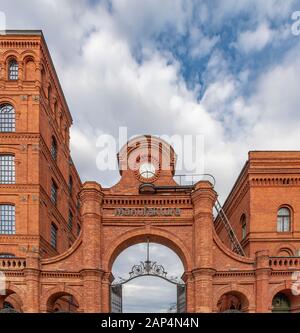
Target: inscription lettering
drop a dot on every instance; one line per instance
(147, 211)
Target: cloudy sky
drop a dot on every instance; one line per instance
(226, 69)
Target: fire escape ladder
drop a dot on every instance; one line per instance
(236, 245)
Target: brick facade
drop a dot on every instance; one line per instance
(75, 275)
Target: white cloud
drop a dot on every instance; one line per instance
(95, 53)
(201, 45)
(255, 40)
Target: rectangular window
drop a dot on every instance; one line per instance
(13, 70)
(283, 224)
(53, 149)
(279, 224)
(70, 185)
(7, 220)
(286, 224)
(7, 118)
(54, 193)
(244, 231)
(53, 235)
(70, 221)
(7, 169)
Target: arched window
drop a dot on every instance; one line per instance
(54, 148)
(13, 69)
(7, 118)
(284, 220)
(53, 240)
(54, 190)
(7, 169)
(7, 219)
(243, 226)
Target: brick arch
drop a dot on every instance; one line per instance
(8, 100)
(9, 54)
(156, 235)
(14, 290)
(281, 287)
(286, 289)
(15, 300)
(28, 70)
(28, 54)
(6, 149)
(283, 246)
(54, 293)
(242, 291)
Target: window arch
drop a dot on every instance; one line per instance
(284, 219)
(285, 252)
(7, 118)
(7, 219)
(7, 169)
(54, 148)
(13, 70)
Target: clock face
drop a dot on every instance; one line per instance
(147, 170)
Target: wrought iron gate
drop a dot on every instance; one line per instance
(146, 268)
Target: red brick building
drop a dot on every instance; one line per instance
(59, 237)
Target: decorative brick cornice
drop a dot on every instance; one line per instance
(19, 44)
(275, 181)
(230, 274)
(60, 274)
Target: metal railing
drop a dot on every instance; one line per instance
(192, 179)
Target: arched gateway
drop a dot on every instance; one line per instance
(146, 205)
(48, 265)
(148, 268)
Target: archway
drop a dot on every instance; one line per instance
(147, 278)
(234, 302)
(284, 302)
(62, 302)
(10, 302)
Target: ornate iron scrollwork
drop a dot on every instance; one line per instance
(147, 268)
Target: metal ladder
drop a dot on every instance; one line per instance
(237, 247)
